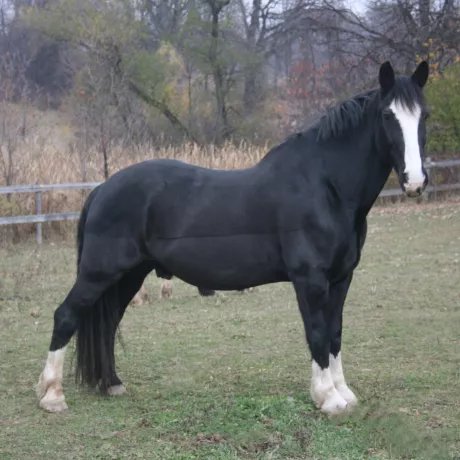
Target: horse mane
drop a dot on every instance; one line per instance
(348, 114)
(344, 116)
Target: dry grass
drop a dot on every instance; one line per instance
(50, 165)
(35, 162)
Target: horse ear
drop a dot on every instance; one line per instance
(386, 77)
(420, 76)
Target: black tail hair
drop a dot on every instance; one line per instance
(95, 337)
(95, 341)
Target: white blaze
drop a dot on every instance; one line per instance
(409, 121)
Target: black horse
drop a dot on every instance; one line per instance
(299, 215)
(166, 287)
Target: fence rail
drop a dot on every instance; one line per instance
(38, 218)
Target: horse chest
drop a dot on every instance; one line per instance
(328, 244)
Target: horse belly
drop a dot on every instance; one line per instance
(222, 262)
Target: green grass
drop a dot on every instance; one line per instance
(228, 377)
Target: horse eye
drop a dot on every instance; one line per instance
(387, 114)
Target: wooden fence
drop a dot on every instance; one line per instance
(38, 218)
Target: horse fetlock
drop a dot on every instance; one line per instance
(320, 392)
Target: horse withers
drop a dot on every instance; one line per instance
(299, 215)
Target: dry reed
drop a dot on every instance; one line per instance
(35, 162)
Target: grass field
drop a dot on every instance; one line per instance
(228, 377)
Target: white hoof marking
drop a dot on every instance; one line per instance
(116, 390)
(334, 404)
(348, 395)
(53, 401)
(49, 388)
(339, 380)
(324, 393)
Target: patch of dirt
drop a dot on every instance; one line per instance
(209, 439)
(302, 437)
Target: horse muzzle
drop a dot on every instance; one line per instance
(416, 188)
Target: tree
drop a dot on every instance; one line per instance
(223, 129)
(443, 95)
(112, 38)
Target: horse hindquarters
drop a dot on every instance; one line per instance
(93, 309)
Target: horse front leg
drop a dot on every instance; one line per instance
(312, 292)
(338, 295)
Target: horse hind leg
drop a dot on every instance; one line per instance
(128, 286)
(141, 296)
(166, 289)
(49, 388)
(67, 318)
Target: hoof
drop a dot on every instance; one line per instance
(53, 401)
(334, 404)
(348, 396)
(53, 406)
(116, 390)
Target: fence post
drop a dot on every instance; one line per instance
(38, 210)
(428, 164)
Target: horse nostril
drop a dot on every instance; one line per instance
(419, 190)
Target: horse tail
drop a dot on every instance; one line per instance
(95, 337)
(95, 341)
(82, 223)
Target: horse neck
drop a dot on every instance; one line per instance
(358, 168)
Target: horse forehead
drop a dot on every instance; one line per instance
(406, 116)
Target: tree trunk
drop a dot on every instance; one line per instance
(424, 7)
(163, 108)
(250, 82)
(222, 128)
